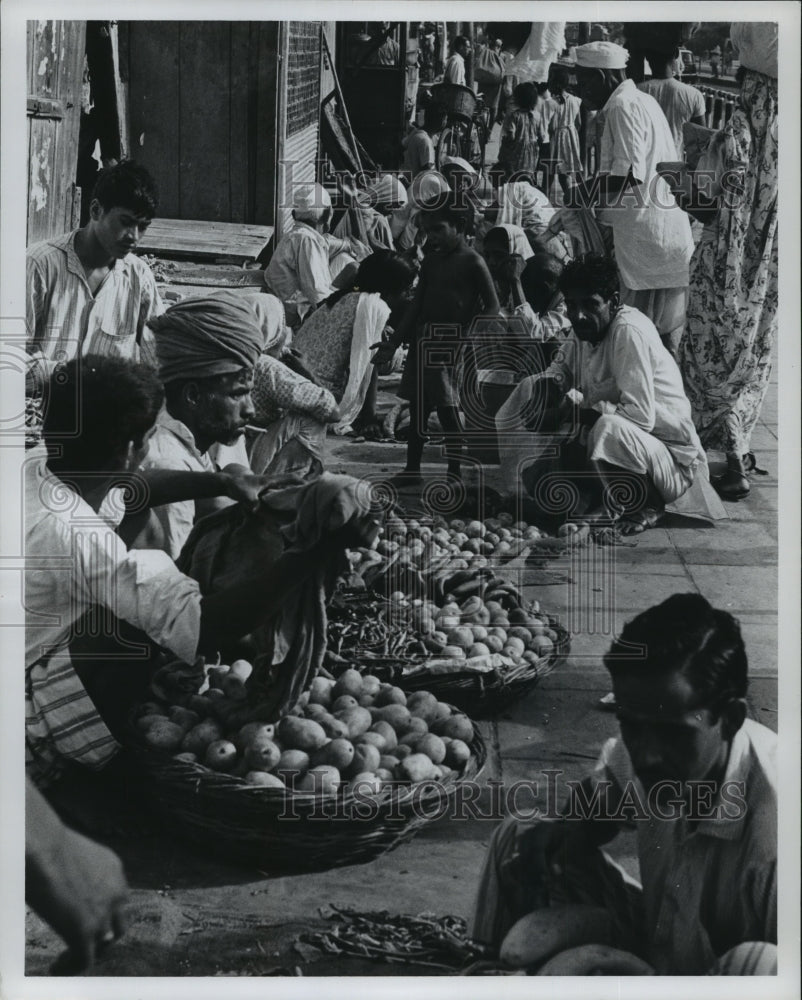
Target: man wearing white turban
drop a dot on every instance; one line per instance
(307, 259)
(652, 236)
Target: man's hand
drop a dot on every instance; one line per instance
(385, 352)
(587, 417)
(77, 886)
(242, 485)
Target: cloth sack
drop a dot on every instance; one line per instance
(488, 66)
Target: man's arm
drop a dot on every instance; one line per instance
(77, 886)
(314, 273)
(406, 327)
(166, 486)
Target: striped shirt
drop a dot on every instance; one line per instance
(74, 561)
(64, 318)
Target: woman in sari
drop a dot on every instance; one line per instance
(725, 352)
(336, 340)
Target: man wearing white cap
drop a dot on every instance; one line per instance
(652, 236)
(307, 259)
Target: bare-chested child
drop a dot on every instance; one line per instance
(454, 289)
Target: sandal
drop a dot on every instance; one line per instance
(639, 521)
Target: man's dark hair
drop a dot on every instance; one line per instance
(384, 271)
(127, 185)
(451, 209)
(659, 60)
(433, 116)
(459, 40)
(686, 634)
(525, 96)
(94, 407)
(592, 271)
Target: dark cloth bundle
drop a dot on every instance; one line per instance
(236, 543)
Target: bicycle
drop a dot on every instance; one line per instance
(467, 126)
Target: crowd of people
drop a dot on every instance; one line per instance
(652, 350)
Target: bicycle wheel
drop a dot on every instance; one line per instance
(449, 143)
(473, 148)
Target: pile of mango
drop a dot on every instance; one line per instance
(353, 734)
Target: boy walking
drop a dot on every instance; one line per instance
(454, 289)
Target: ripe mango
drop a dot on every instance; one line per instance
(200, 736)
(292, 762)
(416, 767)
(183, 717)
(366, 758)
(423, 704)
(264, 780)
(301, 734)
(389, 695)
(357, 719)
(164, 735)
(376, 739)
(458, 754)
(262, 754)
(321, 780)
(334, 728)
(343, 703)
(320, 691)
(553, 929)
(221, 755)
(433, 747)
(458, 727)
(250, 731)
(370, 684)
(337, 753)
(349, 682)
(386, 730)
(397, 716)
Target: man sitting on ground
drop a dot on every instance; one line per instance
(76, 560)
(308, 258)
(87, 291)
(695, 778)
(615, 408)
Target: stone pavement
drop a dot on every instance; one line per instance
(192, 916)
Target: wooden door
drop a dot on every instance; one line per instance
(55, 75)
(202, 115)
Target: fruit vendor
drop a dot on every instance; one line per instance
(76, 560)
(700, 785)
(206, 348)
(613, 411)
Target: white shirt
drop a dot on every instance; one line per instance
(172, 446)
(65, 319)
(680, 103)
(653, 242)
(299, 272)
(74, 560)
(455, 70)
(710, 887)
(631, 374)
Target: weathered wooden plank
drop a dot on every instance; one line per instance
(185, 272)
(265, 82)
(153, 74)
(204, 116)
(240, 97)
(206, 239)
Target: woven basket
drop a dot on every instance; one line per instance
(457, 100)
(291, 832)
(482, 696)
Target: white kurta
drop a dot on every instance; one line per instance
(299, 272)
(653, 242)
(632, 380)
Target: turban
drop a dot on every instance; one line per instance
(269, 313)
(601, 55)
(756, 45)
(211, 335)
(387, 190)
(428, 185)
(517, 242)
(310, 201)
(458, 161)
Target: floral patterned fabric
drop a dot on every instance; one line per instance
(564, 136)
(725, 353)
(520, 141)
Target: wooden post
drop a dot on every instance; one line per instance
(469, 61)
